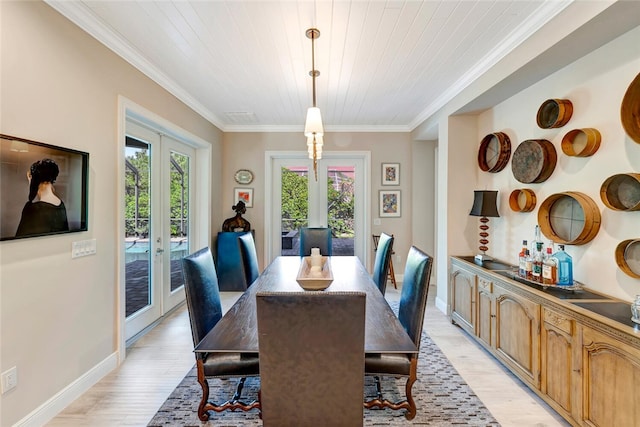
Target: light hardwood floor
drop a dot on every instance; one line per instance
(158, 361)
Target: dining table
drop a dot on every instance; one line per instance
(237, 331)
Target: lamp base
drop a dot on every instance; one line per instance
(483, 257)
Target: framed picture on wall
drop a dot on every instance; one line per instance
(391, 174)
(389, 203)
(244, 194)
(44, 189)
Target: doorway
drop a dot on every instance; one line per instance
(337, 199)
(159, 173)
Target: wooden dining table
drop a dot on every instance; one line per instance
(237, 331)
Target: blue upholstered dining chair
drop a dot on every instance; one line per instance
(249, 257)
(205, 311)
(311, 358)
(382, 261)
(413, 301)
(315, 237)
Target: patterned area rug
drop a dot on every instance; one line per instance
(442, 398)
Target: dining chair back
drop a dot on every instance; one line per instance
(311, 347)
(315, 237)
(249, 257)
(202, 293)
(413, 302)
(382, 261)
(205, 311)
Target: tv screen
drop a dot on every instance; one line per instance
(43, 189)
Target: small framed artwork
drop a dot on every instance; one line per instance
(391, 174)
(244, 194)
(389, 203)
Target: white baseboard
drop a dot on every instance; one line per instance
(45, 412)
(441, 305)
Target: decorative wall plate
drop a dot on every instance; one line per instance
(554, 113)
(243, 176)
(570, 218)
(534, 161)
(494, 152)
(581, 142)
(522, 200)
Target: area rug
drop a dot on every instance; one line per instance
(442, 398)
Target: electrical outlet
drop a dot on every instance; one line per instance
(9, 379)
(377, 221)
(398, 258)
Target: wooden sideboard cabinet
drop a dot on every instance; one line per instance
(577, 350)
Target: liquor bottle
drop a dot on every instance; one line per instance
(528, 265)
(565, 267)
(522, 272)
(549, 269)
(537, 238)
(536, 270)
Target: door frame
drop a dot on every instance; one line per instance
(271, 156)
(201, 208)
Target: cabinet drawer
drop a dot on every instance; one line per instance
(565, 324)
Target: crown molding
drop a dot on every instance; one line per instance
(82, 16)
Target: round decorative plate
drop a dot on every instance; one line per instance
(243, 176)
(533, 161)
(494, 152)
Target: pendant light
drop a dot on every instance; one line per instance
(313, 129)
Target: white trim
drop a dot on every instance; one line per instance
(49, 409)
(201, 221)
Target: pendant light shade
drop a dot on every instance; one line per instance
(313, 124)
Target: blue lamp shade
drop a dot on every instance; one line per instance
(485, 203)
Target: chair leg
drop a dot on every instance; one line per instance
(392, 274)
(204, 401)
(410, 405)
(413, 376)
(233, 404)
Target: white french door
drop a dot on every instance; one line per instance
(337, 199)
(158, 182)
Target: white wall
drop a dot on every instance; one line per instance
(59, 316)
(595, 85)
(246, 151)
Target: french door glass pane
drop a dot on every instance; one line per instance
(341, 208)
(137, 225)
(295, 206)
(179, 216)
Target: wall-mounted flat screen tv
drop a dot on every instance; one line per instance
(43, 189)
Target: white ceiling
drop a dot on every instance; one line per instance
(244, 65)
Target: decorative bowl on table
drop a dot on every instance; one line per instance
(314, 277)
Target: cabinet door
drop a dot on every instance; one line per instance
(485, 325)
(559, 373)
(463, 291)
(610, 378)
(518, 334)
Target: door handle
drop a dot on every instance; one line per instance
(159, 251)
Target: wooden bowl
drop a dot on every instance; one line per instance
(534, 161)
(630, 110)
(570, 218)
(494, 152)
(628, 257)
(581, 142)
(554, 113)
(621, 192)
(311, 282)
(522, 200)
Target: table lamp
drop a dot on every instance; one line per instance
(484, 206)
